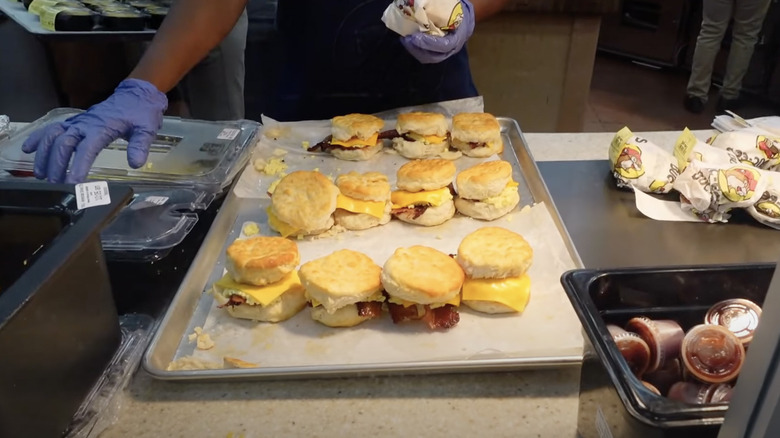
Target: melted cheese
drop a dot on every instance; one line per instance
(277, 224)
(376, 209)
(455, 301)
(427, 139)
(357, 142)
(513, 292)
(435, 198)
(258, 295)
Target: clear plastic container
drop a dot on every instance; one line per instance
(200, 154)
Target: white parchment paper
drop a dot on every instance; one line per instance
(548, 328)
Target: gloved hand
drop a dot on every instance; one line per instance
(429, 49)
(134, 112)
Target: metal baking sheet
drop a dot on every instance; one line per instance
(31, 23)
(609, 231)
(301, 347)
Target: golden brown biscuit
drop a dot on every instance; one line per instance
(362, 126)
(369, 186)
(305, 200)
(484, 180)
(261, 260)
(494, 252)
(422, 123)
(422, 275)
(419, 175)
(341, 278)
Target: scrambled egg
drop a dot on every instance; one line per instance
(250, 229)
(273, 185)
(272, 167)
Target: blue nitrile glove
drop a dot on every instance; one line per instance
(429, 49)
(134, 112)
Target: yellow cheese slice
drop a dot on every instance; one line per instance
(513, 184)
(260, 295)
(284, 229)
(376, 209)
(435, 198)
(513, 292)
(427, 139)
(356, 142)
(455, 301)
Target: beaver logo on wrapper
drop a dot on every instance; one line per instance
(749, 148)
(768, 146)
(640, 164)
(738, 183)
(629, 162)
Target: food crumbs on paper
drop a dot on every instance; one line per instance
(259, 164)
(250, 229)
(279, 152)
(189, 363)
(273, 185)
(232, 362)
(526, 208)
(316, 169)
(275, 166)
(330, 177)
(305, 145)
(439, 237)
(205, 342)
(149, 165)
(192, 337)
(509, 218)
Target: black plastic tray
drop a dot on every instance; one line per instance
(611, 397)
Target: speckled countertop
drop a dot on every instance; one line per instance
(526, 403)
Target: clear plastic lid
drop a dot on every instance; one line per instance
(205, 155)
(154, 222)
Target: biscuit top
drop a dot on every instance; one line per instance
(476, 127)
(344, 273)
(494, 252)
(422, 123)
(263, 252)
(423, 275)
(361, 126)
(304, 199)
(425, 175)
(484, 180)
(369, 186)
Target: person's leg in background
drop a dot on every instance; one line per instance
(716, 15)
(748, 21)
(214, 89)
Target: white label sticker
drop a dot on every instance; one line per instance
(228, 134)
(92, 194)
(602, 427)
(159, 200)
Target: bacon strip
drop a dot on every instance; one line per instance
(441, 317)
(325, 146)
(475, 145)
(415, 211)
(399, 313)
(369, 309)
(234, 300)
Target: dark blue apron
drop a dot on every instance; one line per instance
(339, 58)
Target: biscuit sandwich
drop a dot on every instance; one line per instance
(302, 204)
(496, 262)
(344, 288)
(422, 283)
(363, 201)
(261, 283)
(486, 191)
(425, 193)
(476, 134)
(354, 137)
(421, 135)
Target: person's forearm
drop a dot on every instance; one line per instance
(486, 8)
(191, 29)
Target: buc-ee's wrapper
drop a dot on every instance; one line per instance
(749, 148)
(767, 208)
(710, 190)
(436, 17)
(640, 164)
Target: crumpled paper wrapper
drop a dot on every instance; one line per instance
(435, 17)
(640, 164)
(750, 148)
